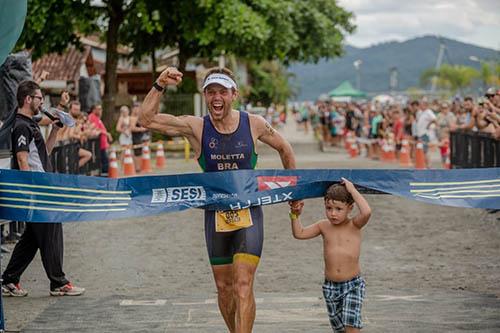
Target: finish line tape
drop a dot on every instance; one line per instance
(51, 197)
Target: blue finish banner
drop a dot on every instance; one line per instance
(51, 197)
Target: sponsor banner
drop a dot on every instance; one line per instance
(273, 182)
(50, 197)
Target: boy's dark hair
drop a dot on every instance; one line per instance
(338, 192)
(25, 88)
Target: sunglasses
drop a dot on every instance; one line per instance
(35, 96)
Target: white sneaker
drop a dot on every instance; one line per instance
(14, 290)
(67, 290)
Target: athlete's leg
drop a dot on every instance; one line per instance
(244, 267)
(220, 252)
(248, 249)
(223, 275)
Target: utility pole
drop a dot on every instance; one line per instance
(393, 79)
(439, 61)
(357, 66)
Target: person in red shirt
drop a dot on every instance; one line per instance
(105, 137)
(398, 128)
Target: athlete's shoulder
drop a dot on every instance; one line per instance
(256, 120)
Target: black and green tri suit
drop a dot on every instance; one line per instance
(232, 151)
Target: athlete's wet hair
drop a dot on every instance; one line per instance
(338, 192)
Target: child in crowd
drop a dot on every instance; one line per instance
(444, 147)
(344, 288)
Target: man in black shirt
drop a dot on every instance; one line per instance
(31, 153)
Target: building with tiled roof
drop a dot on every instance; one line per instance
(67, 66)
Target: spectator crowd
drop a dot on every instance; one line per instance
(90, 126)
(376, 124)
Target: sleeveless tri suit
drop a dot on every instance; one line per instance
(231, 235)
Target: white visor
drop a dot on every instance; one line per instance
(219, 78)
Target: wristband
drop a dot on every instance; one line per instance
(158, 87)
(293, 216)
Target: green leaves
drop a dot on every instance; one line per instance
(286, 30)
(51, 25)
(454, 78)
(270, 83)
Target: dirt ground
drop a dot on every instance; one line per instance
(408, 247)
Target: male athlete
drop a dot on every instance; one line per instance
(224, 139)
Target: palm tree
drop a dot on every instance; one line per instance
(451, 77)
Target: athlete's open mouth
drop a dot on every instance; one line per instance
(218, 106)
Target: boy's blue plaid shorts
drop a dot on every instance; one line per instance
(343, 302)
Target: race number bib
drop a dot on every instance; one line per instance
(231, 220)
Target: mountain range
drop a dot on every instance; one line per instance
(409, 58)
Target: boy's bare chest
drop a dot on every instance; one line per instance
(342, 236)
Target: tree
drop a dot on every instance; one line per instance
(144, 32)
(53, 25)
(284, 30)
(488, 75)
(256, 30)
(269, 83)
(454, 78)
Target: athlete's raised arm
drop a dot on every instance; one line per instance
(163, 122)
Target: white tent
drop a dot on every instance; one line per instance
(383, 99)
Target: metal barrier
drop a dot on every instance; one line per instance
(92, 167)
(64, 157)
(474, 150)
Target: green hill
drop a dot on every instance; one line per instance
(410, 58)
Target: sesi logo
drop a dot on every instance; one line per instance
(273, 182)
(178, 194)
(185, 193)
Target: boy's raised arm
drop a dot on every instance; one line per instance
(298, 231)
(364, 208)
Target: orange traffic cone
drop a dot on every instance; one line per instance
(348, 141)
(447, 163)
(160, 156)
(420, 156)
(113, 164)
(391, 152)
(404, 154)
(353, 151)
(146, 160)
(128, 164)
(385, 150)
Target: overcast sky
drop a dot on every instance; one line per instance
(471, 21)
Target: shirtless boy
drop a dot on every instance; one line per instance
(344, 288)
